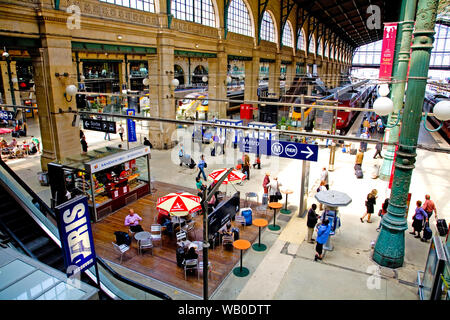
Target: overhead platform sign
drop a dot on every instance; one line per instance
(283, 149)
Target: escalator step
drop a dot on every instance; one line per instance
(37, 243)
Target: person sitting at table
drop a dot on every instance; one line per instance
(227, 231)
(165, 221)
(33, 149)
(13, 143)
(191, 254)
(132, 220)
(3, 143)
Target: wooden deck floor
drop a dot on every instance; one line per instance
(162, 264)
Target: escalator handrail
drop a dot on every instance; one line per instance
(44, 207)
(132, 283)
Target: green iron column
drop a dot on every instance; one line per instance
(402, 55)
(390, 247)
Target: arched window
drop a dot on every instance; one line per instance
(198, 11)
(238, 20)
(287, 35)
(332, 53)
(325, 51)
(144, 5)
(320, 48)
(267, 28)
(301, 40)
(312, 45)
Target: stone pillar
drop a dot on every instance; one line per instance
(290, 75)
(59, 138)
(162, 102)
(274, 77)
(252, 78)
(8, 80)
(217, 86)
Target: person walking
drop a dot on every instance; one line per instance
(246, 166)
(323, 232)
(429, 207)
(107, 136)
(84, 145)
(121, 130)
(147, 143)
(359, 159)
(378, 148)
(324, 177)
(25, 128)
(419, 218)
(201, 167)
(363, 144)
(222, 142)
(370, 203)
(274, 190)
(311, 222)
(265, 185)
(383, 211)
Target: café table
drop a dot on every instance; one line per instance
(275, 206)
(143, 235)
(241, 244)
(260, 223)
(286, 210)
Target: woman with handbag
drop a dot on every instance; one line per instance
(370, 203)
(274, 190)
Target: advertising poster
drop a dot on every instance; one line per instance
(387, 51)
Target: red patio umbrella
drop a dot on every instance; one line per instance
(178, 204)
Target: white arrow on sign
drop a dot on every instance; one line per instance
(310, 152)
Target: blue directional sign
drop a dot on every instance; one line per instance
(284, 149)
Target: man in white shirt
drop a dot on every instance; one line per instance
(324, 177)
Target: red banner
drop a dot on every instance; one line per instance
(387, 51)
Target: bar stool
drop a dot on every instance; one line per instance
(241, 244)
(275, 206)
(285, 210)
(250, 195)
(260, 223)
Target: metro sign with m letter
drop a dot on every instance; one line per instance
(284, 149)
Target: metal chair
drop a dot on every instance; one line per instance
(240, 219)
(146, 244)
(181, 236)
(121, 249)
(200, 267)
(189, 228)
(227, 239)
(250, 195)
(191, 264)
(156, 233)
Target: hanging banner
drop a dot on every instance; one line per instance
(131, 126)
(74, 224)
(387, 51)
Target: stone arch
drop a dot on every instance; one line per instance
(199, 70)
(179, 73)
(292, 33)
(275, 26)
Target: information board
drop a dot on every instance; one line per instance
(99, 125)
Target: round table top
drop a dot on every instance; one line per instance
(260, 223)
(241, 244)
(275, 205)
(287, 191)
(142, 235)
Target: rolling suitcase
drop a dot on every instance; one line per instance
(441, 225)
(359, 173)
(427, 233)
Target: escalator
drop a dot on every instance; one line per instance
(26, 233)
(28, 225)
